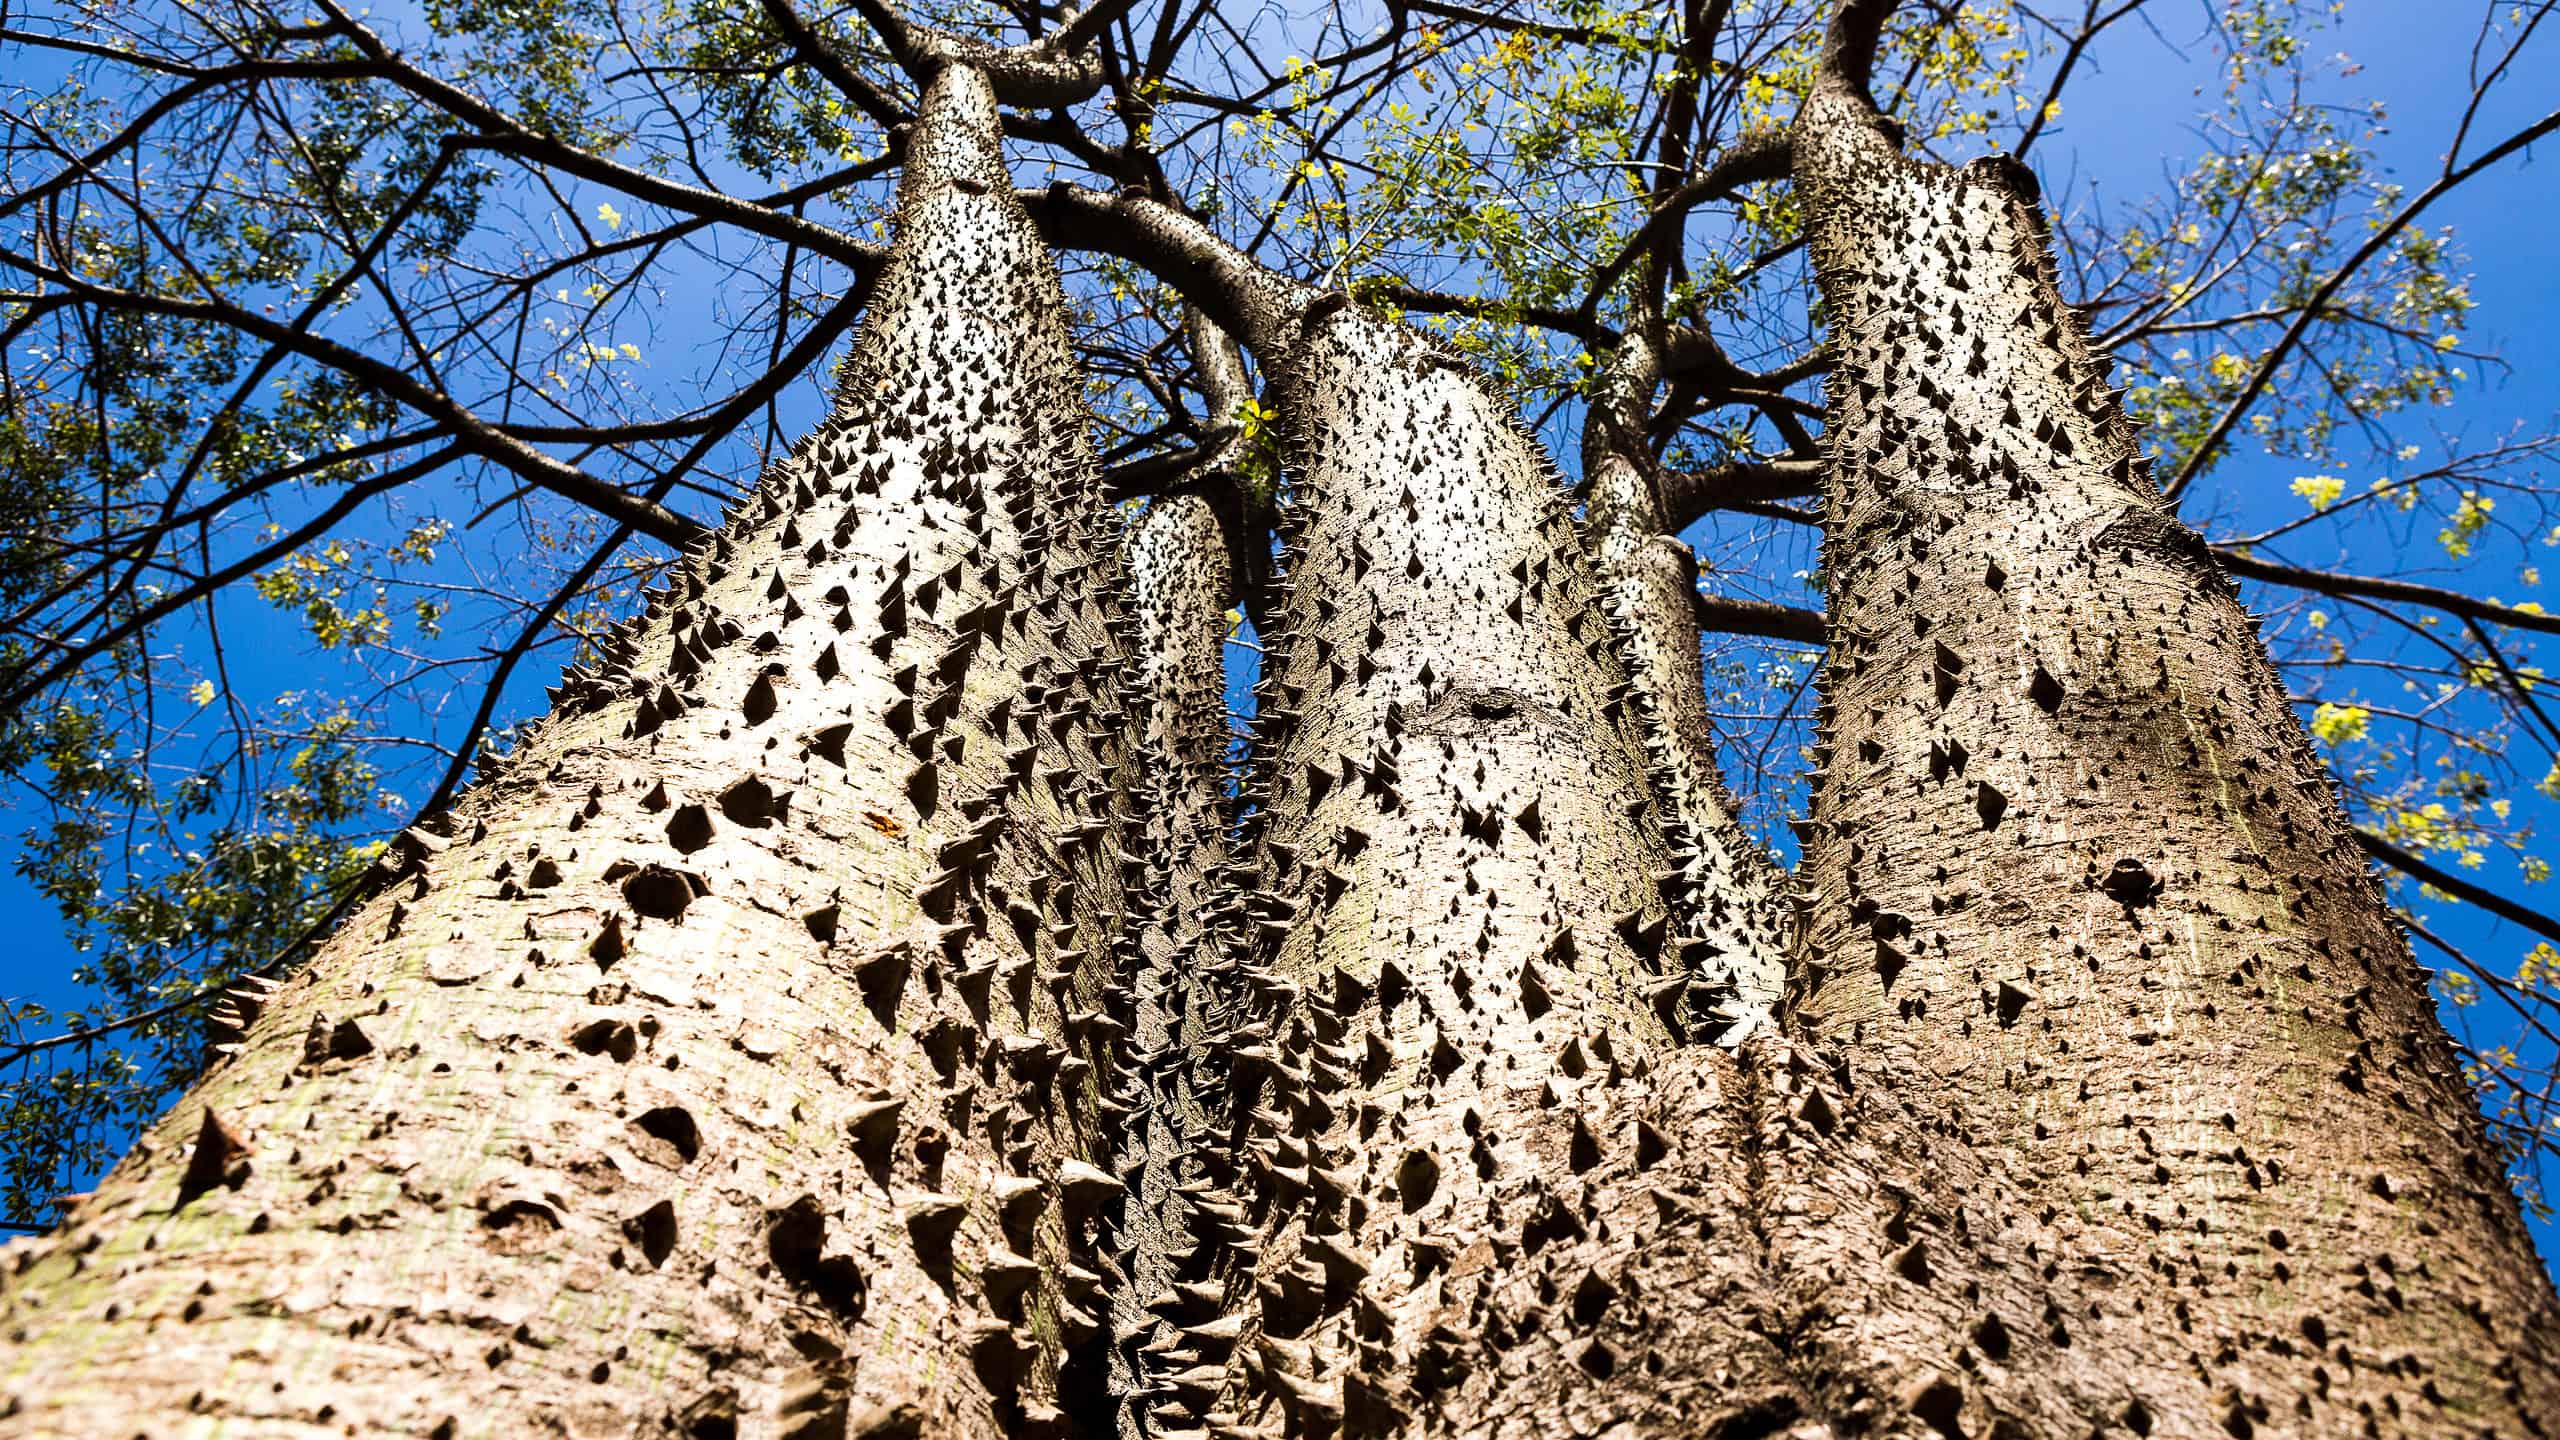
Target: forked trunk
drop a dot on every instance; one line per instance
(731, 1066)
(1483, 1189)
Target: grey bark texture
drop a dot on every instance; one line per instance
(1181, 587)
(737, 1060)
(1735, 900)
(730, 1065)
(2136, 1115)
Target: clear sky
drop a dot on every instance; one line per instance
(2126, 128)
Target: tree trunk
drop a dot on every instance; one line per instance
(728, 1070)
(1180, 587)
(1461, 953)
(1736, 895)
(1483, 1190)
(2140, 1119)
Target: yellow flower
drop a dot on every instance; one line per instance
(2337, 724)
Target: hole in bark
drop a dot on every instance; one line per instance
(674, 1125)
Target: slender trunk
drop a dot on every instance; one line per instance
(727, 1069)
(1736, 897)
(1180, 587)
(2145, 1123)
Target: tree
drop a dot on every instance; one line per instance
(869, 1004)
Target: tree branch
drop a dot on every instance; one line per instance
(1728, 615)
(1688, 495)
(1758, 155)
(481, 438)
(2329, 582)
(822, 56)
(2317, 303)
(2489, 900)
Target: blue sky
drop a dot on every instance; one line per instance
(2126, 127)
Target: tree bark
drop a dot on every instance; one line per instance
(1736, 895)
(2136, 1116)
(1482, 1190)
(1462, 969)
(730, 1066)
(1180, 587)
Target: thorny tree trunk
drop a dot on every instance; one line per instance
(1650, 587)
(1458, 909)
(1180, 587)
(691, 1107)
(1457, 964)
(2146, 1123)
(728, 1070)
